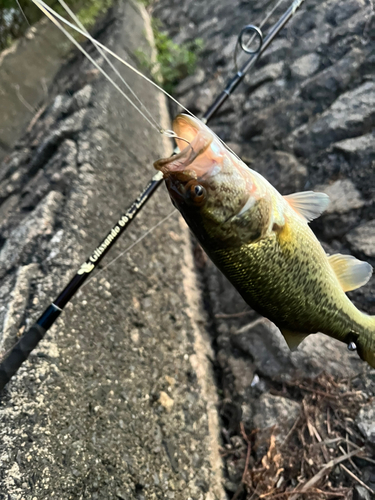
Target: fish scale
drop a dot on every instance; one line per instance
(282, 284)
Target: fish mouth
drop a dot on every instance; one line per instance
(196, 158)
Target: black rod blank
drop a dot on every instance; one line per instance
(30, 339)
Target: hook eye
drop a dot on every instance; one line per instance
(247, 36)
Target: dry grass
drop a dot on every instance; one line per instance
(316, 459)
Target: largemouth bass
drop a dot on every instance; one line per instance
(261, 241)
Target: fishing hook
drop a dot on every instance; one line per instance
(171, 134)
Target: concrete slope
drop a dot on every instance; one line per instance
(26, 70)
(118, 402)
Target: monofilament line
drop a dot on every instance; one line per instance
(53, 16)
(24, 15)
(269, 14)
(130, 247)
(44, 8)
(104, 55)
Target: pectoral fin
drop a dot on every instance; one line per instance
(293, 339)
(308, 204)
(351, 272)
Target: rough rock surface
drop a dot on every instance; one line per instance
(303, 118)
(366, 421)
(117, 402)
(276, 411)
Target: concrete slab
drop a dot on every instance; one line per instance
(118, 402)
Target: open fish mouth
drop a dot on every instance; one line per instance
(198, 155)
(187, 127)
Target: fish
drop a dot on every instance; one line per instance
(262, 242)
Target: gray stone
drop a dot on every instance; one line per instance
(13, 184)
(366, 421)
(343, 196)
(358, 25)
(266, 74)
(362, 239)
(6, 287)
(265, 93)
(325, 86)
(278, 50)
(340, 12)
(243, 374)
(360, 493)
(264, 343)
(65, 130)
(301, 24)
(190, 82)
(276, 411)
(230, 47)
(80, 100)
(305, 66)
(356, 145)
(351, 114)
(283, 170)
(8, 207)
(13, 162)
(314, 39)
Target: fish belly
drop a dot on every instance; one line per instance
(290, 282)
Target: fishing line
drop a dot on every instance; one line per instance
(257, 32)
(270, 13)
(51, 14)
(168, 133)
(24, 15)
(129, 248)
(87, 55)
(103, 54)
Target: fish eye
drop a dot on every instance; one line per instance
(198, 190)
(197, 194)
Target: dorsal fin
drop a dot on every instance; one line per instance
(351, 272)
(308, 204)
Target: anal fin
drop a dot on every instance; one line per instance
(351, 272)
(293, 339)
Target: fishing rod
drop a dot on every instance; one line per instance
(30, 339)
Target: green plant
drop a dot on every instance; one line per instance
(173, 62)
(146, 3)
(91, 10)
(13, 24)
